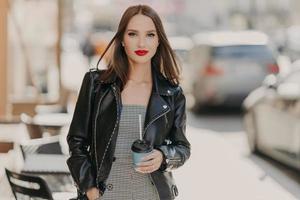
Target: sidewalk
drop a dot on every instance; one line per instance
(216, 171)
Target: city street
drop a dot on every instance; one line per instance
(222, 168)
(222, 53)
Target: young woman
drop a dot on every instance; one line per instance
(142, 79)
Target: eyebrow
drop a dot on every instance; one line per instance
(138, 31)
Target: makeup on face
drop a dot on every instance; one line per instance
(140, 39)
(141, 52)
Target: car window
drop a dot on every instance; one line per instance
(259, 52)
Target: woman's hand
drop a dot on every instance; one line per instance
(150, 163)
(93, 194)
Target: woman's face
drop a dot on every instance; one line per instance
(140, 39)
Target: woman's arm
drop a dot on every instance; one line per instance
(177, 151)
(79, 138)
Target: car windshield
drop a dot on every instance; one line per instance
(260, 52)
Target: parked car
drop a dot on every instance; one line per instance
(229, 65)
(182, 45)
(272, 118)
(292, 42)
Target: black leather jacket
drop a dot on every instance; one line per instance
(94, 129)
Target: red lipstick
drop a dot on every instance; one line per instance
(141, 52)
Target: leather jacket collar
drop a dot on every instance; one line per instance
(161, 85)
(157, 105)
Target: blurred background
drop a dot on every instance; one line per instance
(240, 73)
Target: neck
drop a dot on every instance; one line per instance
(140, 73)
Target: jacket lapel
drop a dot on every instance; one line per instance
(157, 107)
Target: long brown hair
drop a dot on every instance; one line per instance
(164, 60)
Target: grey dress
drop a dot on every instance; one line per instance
(124, 183)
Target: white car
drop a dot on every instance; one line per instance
(272, 118)
(228, 65)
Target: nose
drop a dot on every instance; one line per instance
(141, 42)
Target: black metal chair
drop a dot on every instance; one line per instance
(49, 145)
(31, 186)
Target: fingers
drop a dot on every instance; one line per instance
(148, 169)
(148, 166)
(147, 163)
(150, 163)
(151, 159)
(153, 155)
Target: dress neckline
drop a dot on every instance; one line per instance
(134, 105)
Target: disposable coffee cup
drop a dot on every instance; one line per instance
(140, 149)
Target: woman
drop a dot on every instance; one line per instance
(141, 79)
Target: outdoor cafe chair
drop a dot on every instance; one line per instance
(34, 130)
(41, 125)
(33, 186)
(45, 145)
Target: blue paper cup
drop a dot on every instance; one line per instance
(140, 149)
(137, 157)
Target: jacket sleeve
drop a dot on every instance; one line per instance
(79, 139)
(177, 150)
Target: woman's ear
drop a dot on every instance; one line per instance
(122, 44)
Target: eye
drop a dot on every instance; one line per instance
(151, 35)
(131, 34)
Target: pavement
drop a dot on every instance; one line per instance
(218, 170)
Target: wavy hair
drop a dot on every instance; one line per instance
(164, 60)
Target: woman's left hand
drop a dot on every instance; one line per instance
(150, 163)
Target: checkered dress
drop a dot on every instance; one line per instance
(124, 183)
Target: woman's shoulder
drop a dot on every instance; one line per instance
(95, 73)
(92, 76)
(169, 86)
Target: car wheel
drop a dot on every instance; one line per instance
(250, 128)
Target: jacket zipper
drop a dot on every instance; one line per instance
(155, 119)
(106, 148)
(145, 133)
(99, 168)
(95, 134)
